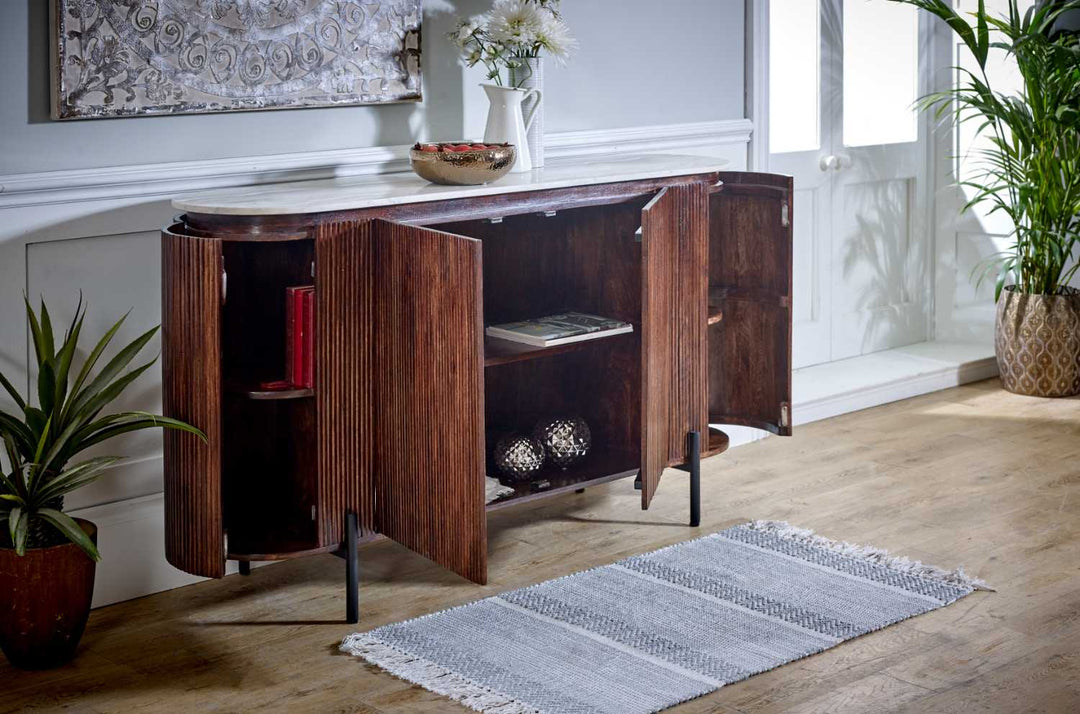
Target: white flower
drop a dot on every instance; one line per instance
(515, 22)
(465, 30)
(554, 36)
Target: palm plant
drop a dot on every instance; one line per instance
(67, 420)
(1030, 169)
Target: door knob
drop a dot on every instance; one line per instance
(835, 162)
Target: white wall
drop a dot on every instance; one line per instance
(81, 202)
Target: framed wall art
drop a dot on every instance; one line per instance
(117, 58)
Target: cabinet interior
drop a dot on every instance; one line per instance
(586, 260)
(583, 259)
(268, 459)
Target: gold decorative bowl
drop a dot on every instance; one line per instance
(471, 167)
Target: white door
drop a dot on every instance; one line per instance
(843, 75)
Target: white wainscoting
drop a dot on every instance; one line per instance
(96, 231)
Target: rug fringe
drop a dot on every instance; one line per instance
(869, 553)
(431, 676)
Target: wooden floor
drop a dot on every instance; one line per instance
(972, 476)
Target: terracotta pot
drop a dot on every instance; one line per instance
(44, 602)
(1037, 341)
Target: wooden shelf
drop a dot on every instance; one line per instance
(717, 444)
(270, 394)
(275, 537)
(597, 468)
(498, 352)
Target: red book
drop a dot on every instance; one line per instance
(294, 334)
(309, 338)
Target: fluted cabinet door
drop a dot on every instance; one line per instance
(192, 292)
(429, 395)
(750, 254)
(674, 250)
(344, 395)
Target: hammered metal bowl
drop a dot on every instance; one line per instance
(463, 168)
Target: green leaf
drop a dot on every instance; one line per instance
(46, 386)
(47, 332)
(19, 431)
(73, 478)
(42, 440)
(983, 34)
(116, 424)
(12, 391)
(66, 354)
(110, 370)
(35, 333)
(67, 525)
(64, 447)
(95, 354)
(18, 523)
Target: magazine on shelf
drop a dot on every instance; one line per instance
(559, 329)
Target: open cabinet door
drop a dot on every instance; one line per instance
(344, 397)
(674, 233)
(192, 284)
(429, 395)
(750, 301)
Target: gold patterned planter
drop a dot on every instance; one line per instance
(1037, 342)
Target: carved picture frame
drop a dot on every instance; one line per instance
(122, 58)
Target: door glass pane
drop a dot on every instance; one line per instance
(881, 70)
(794, 63)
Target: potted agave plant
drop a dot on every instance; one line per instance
(47, 558)
(1029, 170)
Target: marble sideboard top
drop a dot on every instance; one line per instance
(359, 192)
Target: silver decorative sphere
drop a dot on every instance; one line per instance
(518, 457)
(566, 440)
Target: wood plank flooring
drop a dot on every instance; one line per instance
(972, 476)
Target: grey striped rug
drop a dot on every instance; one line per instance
(658, 629)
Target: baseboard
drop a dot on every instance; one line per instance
(169, 179)
(851, 385)
(131, 540)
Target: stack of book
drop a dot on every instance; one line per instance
(561, 329)
(300, 336)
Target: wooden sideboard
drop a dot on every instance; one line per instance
(395, 437)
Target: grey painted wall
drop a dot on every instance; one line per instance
(641, 62)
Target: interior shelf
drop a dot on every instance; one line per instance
(499, 352)
(288, 542)
(596, 468)
(718, 443)
(270, 394)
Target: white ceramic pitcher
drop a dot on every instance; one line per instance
(505, 121)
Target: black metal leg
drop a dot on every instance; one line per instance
(694, 449)
(245, 567)
(352, 571)
(637, 482)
